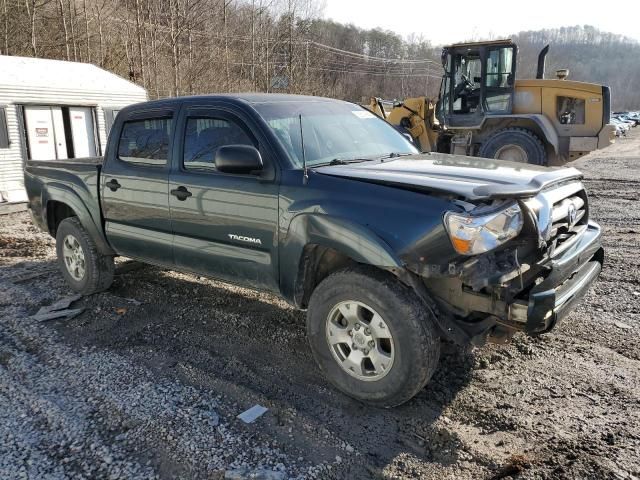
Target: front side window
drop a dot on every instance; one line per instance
(204, 136)
(145, 142)
(467, 81)
(332, 131)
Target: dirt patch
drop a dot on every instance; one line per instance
(21, 247)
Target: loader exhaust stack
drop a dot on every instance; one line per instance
(542, 57)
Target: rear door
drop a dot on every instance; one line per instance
(134, 186)
(225, 225)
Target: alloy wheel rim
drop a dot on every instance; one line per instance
(73, 257)
(513, 153)
(360, 340)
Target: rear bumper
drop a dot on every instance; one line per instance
(571, 276)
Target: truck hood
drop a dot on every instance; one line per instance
(470, 177)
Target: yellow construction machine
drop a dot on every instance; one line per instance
(484, 110)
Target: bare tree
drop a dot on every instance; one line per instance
(5, 13)
(63, 18)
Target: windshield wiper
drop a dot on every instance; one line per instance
(394, 155)
(339, 161)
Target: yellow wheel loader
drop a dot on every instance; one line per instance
(484, 111)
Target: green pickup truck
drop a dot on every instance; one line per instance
(321, 202)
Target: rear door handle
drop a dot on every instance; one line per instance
(181, 193)
(113, 184)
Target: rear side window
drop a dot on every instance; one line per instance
(204, 136)
(145, 142)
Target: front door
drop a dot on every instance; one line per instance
(134, 186)
(224, 224)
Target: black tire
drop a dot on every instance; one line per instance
(521, 139)
(98, 268)
(416, 342)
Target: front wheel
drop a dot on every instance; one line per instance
(516, 145)
(371, 336)
(83, 267)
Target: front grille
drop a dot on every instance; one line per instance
(568, 219)
(562, 214)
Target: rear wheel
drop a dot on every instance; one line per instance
(83, 267)
(372, 337)
(516, 145)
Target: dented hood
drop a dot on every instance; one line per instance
(469, 177)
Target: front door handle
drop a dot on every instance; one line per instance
(181, 193)
(113, 184)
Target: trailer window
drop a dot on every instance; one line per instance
(4, 129)
(145, 142)
(110, 115)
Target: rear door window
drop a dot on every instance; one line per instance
(145, 142)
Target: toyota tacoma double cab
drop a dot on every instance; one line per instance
(319, 201)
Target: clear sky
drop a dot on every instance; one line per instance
(457, 20)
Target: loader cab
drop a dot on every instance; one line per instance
(479, 80)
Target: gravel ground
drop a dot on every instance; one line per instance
(147, 382)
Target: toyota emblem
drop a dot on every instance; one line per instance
(573, 214)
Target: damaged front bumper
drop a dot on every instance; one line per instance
(571, 276)
(550, 291)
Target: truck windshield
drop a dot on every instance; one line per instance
(332, 131)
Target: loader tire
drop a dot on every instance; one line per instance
(516, 145)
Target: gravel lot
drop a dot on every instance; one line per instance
(148, 380)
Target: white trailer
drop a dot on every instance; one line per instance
(53, 110)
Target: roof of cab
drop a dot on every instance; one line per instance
(246, 98)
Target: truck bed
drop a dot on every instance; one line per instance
(77, 181)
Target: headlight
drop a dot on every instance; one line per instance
(474, 234)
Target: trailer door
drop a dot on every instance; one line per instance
(40, 133)
(59, 133)
(84, 139)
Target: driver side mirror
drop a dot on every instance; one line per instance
(239, 159)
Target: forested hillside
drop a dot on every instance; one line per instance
(180, 47)
(590, 55)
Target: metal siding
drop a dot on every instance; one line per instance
(11, 158)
